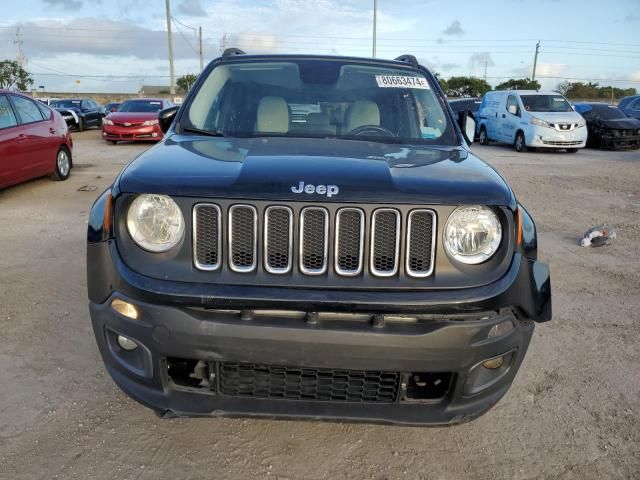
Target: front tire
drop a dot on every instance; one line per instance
(519, 143)
(483, 138)
(63, 165)
(572, 150)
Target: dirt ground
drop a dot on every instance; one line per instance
(573, 411)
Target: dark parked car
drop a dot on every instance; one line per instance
(609, 127)
(630, 106)
(79, 113)
(460, 105)
(34, 141)
(111, 107)
(357, 263)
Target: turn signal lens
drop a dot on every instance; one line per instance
(125, 308)
(493, 363)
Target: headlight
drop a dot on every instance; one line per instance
(582, 123)
(148, 123)
(472, 234)
(106, 121)
(155, 222)
(540, 123)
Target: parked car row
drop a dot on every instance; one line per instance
(135, 120)
(536, 119)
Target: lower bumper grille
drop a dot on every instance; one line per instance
(268, 381)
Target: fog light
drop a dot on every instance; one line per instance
(500, 329)
(154, 134)
(490, 364)
(125, 308)
(126, 343)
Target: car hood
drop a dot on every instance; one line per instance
(272, 168)
(132, 116)
(558, 117)
(620, 123)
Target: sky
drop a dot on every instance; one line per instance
(118, 45)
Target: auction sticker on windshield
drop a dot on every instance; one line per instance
(400, 81)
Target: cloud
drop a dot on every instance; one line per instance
(191, 8)
(454, 28)
(479, 60)
(635, 76)
(550, 69)
(449, 66)
(631, 18)
(99, 37)
(66, 4)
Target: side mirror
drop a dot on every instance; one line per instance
(166, 116)
(512, 109)
(467, 125)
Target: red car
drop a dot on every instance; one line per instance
(135, 120)
(34, 140)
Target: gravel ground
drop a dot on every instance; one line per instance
(573, 411)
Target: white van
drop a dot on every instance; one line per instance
(529, 118)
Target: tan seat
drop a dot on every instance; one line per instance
(272, 116)
(360, 113)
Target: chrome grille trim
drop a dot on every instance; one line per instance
(254, 239)
(336, 265)
(196, 228)
(374, 226)
(269, 268)
(409, 271)
(303, 214)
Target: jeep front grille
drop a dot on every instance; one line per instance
(242, 238)
(345, 241)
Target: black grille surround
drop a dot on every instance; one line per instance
(304, 383)
(312, 241)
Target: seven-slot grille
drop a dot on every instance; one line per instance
(282, 238)
(303, 383)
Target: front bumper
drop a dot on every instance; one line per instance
(619, 142)
(115, 133)
(181, 321)
(544, 137)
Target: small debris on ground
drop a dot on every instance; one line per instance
(598, 236)
(87, 188)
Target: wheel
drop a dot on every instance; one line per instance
(80, 126)
(115, 142)
(519, 143)
(572, 150)
(483, 138)
(63, 165)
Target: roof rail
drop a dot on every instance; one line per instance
(233, 51)
(408, 59)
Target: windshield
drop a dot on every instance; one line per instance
(141, 106)
(66, 104)
(545, 103)
(319, 98)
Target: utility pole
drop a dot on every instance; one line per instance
(223, 43)
(172, 87)
(19, 55)
(375, 21)
(201, 52)
(535, 62)
(486, 64)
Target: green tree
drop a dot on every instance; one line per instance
(467, 87)
(186, 81)
(443, 83)
(519, 84)
(593, 91)
(13, 75)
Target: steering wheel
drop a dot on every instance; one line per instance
(371, 129)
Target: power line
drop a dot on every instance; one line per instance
(183, 37)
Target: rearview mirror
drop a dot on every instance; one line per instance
(165, 118)
(468, 126)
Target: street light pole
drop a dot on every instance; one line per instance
(172, 88)
(375, 21)
(201, 52)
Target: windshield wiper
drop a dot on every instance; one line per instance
(203, 132)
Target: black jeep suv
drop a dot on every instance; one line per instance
(313, 238)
